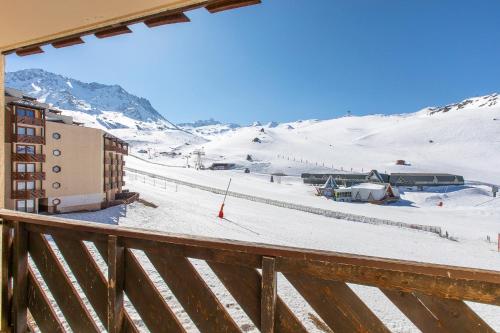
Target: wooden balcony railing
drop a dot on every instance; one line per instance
(431, 296)
(28, 157)
(30, 121)
(28, 194)
(35, 139)
(28, 175)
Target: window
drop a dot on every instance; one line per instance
(56, 185)
(23, 186)
(56, 152)
(24, 149)
(56, 135)
(25, 167)
(21, 112)
(56, 168)
(25, 206)
(26, 131)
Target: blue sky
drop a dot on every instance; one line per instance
(298, 59)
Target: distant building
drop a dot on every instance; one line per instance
(222, 166)
(56, 164)
(425, 179)
(395, 179)
(345, 179)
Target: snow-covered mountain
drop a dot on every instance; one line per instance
(107, 106)
(461, 138)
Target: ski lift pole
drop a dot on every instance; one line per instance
(221, 211)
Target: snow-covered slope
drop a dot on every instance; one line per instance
(95, 104)
(462, 138)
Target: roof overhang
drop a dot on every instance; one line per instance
(26, 25)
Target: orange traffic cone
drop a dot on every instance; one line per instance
(221, 212)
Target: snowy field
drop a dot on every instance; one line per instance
(460, 139)
(256, 222)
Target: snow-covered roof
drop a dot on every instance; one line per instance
(370, 186)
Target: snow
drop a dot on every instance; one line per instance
(460, 138)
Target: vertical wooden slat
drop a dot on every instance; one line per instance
(147, 300)
(116, 271)
(40, 308)
(414, 310)
(455, 315)
(6, 275)
(60, 285)
(339, 307)
(200, 303)
(20, 267)
(245, 285)
(268, 295)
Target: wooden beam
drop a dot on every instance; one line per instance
(339, 307)
(454, 315)
(147, 300)
(116, 271)
(40, 308)
(268, 296)
(115, 31)
(222, 5)
(67, 42)
(245, 284)
(415, 310)
(87, 273)
(195, 296)
(440, 286)
(6, 273)
(167, 19)
(60, 286)
(20, 267)
(29, 51)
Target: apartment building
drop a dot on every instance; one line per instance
(57, 165)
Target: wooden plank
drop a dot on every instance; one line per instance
(146, 298)
(20, 269)
(454, 315)
(67, 42)
(60, 285)
(5, 276)
(87, 273)
(339, 307)
(116, 278)
(222, 5)
(167, 19)
(414, 310)
(98, 232)
(40, 308)
(245, 285)
(268, 296)
(115, 31)
(443, 287)
(29, 51)
(196, 297)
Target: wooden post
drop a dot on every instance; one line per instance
(20, 268)
(268, 296)
(4, 147)
(116, 269)
(5, 274)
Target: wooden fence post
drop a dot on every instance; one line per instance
(6, 274)
(116, 269)
(268, 295)
(20, 270)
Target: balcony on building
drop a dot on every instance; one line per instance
(28, 194)
(28, 175)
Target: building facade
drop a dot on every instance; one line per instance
(56, 164)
